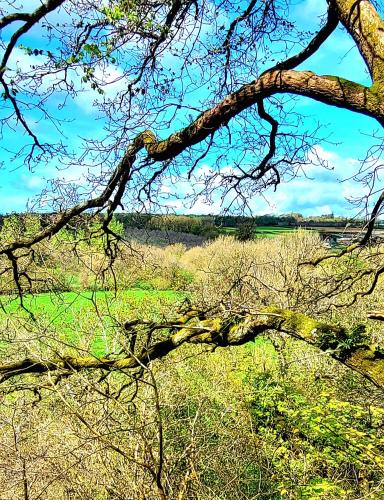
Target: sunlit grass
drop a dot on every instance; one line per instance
(86, 320)
(261, 231)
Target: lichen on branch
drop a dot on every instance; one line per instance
(350, 347)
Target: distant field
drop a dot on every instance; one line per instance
(261, 231)
(89, 319)
(73, 302)
(273, 230)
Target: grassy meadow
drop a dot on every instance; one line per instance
(260, 231)
(105, 310)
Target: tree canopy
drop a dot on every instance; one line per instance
(164, 86)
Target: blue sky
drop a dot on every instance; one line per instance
(320, 191)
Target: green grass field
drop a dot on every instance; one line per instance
(87, 320)
(72, 302)
(270, 231)
(260, 231)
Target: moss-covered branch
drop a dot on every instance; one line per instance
(350, 347)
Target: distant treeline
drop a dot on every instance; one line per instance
(287, 220)
(194, 224)
(205, 225)
(200, 224)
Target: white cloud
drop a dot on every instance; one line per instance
(320, 191)
(165, 189)
(324, 191)
(113, 81)
(202, 207)
(32, 182)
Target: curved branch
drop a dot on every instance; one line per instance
(351, 348)
(314, 44)
(330, 90)
(30, 20)
(11, 18)
(264, 166)
(358, 244)
(118, 180)
(18, 113)
(232, 27)
(372, 221)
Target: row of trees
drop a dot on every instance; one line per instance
(206, 225)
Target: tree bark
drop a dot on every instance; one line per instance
(331, 90)
(351, 348)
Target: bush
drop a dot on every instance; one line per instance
(245, 230)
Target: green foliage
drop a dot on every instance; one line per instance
(89, 232)
(343, 341)
(125, 9)
(180, 223)
(292, 219)
(194, 224)
(246, 230)
(113, 14)
(136, 220)
(18, 226)
(316, 442)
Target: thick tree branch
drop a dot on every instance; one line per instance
(119, 177)
(30, 20)
(14, 17)
(376, 315)
(33, 17)
(350, 347)
(330, 90)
